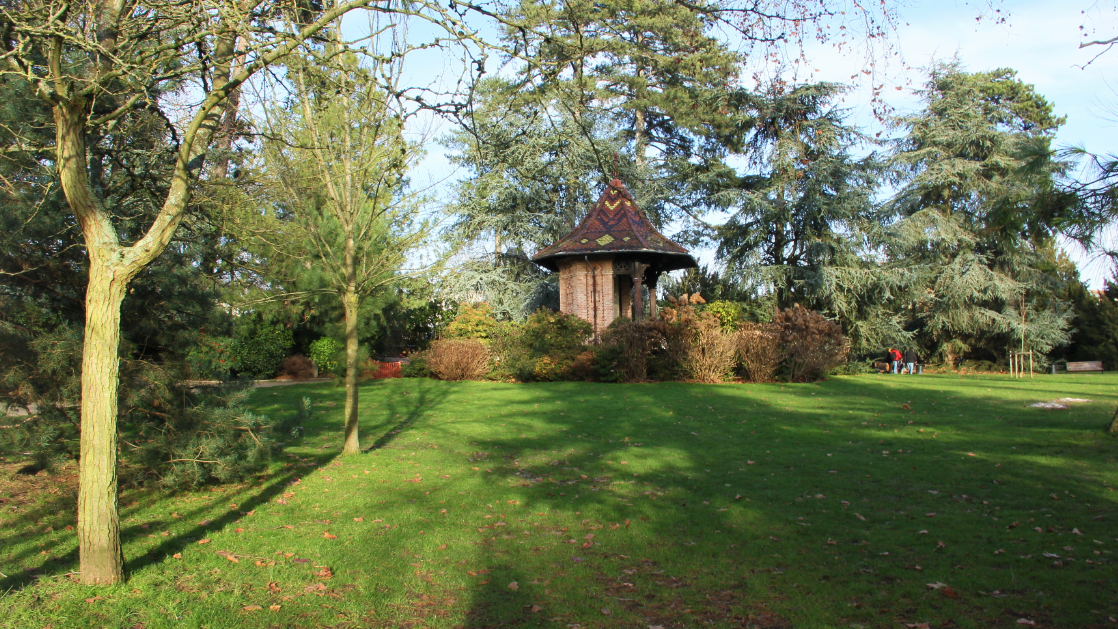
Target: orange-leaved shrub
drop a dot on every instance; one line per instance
(458, 359)
(698, 341)
(759, 350)
(813, 346)
(626, 350)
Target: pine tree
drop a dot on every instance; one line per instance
(341, 218)
(978, 203)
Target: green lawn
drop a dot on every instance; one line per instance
(582, 505)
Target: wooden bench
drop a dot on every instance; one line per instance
(1086, 365)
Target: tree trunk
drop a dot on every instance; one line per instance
(350, 301)
(101, 560)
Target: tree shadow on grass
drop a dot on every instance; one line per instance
(421, 397)
(888, 480)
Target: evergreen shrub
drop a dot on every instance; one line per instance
(212, 357)
(261, 349)
(171, 433)
(474, 321)
(416, 367)
(324, 353)
(728, 312)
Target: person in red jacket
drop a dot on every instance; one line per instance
(895, 357)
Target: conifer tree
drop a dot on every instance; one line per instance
(339, 218)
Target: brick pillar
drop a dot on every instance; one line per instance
(576, 290)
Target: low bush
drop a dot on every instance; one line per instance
(812, 345)
(416, 367)
(759, 351)
(627, 347)
(458, 359)
(297, 367)
(324, 353)
(544, 348)
(711, 349)
(261, 349)
(474, 321)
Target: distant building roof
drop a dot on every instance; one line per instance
(616, 225)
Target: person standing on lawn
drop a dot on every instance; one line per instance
(895, 358)
(910, 359)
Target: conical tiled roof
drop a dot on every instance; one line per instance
(616, 225)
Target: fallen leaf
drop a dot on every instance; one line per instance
(274, 607)
(937, 585)
(252, 608)
(358, 519)
(177, 555)
(238, 530)
(514, 586)
(329, 536)
(324, 573)
(1076, 531)
(949, 592)
(536, 609)
(860, 516)
(204, 541)
(606, 611)
(917, 625)
(317, 587)
(94, 599)
(1025, 621)
(288, 526)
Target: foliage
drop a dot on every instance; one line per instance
(728, 312)
(812, 345)
(177, 436)
(458, 359)
(416, 367)
(759, 350)
(977, 210)
(324, 353)
(548, 333)
(474, 321)
(212, 357)
(712, 349)
(807, 207)
(261, 347)
(1096, 324)
(298, 367)
(627, 349)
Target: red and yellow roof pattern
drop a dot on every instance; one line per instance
(616, 225)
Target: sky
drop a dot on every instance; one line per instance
(1040, 39)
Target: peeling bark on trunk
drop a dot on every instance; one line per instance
(350, 301)
(101, 559)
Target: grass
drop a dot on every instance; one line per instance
(581, 505)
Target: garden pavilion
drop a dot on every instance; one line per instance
(609, 265)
